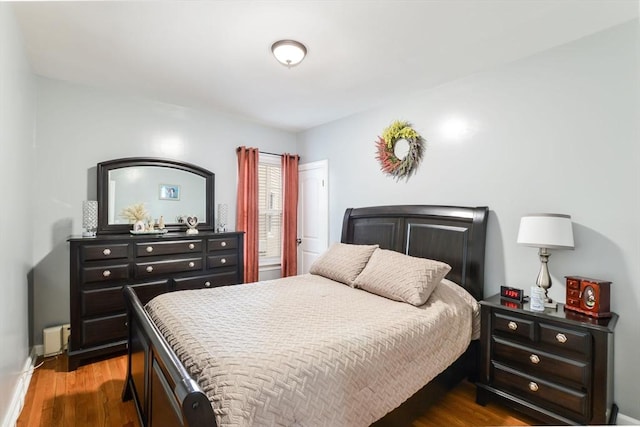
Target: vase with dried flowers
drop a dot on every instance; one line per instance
(136, 214)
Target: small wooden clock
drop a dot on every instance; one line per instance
(588, 296)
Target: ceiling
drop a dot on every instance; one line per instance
(361, 54)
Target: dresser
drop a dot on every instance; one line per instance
(556, 365)
(152, 264)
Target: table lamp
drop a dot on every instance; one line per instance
(546, 231)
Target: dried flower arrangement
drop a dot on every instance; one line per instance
(135, 212)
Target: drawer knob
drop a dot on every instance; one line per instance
(107, 252)
(207, 284)
(561, 338)
(512, 325)
(533, 386)
(106, 273)
(223, 244)
(149, 269)
(223, 261)
(149, 249)
(192, 246)
(534, 359)
(192, 264)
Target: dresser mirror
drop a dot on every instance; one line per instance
(168, 189)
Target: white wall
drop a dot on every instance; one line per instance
(556, 132)
(77, 127)
(17, 120)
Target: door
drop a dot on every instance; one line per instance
(313, 212)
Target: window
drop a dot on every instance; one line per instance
(269, 209)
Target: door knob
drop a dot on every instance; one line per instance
(299, 241)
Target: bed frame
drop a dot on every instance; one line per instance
(165, 395)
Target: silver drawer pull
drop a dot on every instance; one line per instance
(192, 264)
(149, 249)
(534, 359)
(149, 269)
(223, 244)
(107, 251)
(207, 284)
(106, 273)
(192, 246)
(223, 261)
(533, 386)
(512, 325)
(561, 338)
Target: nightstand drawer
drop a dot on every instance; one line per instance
(514, 325)
(540, 363)
(565, 339)
(546, 394)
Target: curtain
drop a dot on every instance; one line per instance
(289, 261)
(247, 209)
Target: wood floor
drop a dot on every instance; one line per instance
(90, 396)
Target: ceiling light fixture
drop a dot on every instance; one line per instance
(289, 52)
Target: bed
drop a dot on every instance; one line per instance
(185, 369)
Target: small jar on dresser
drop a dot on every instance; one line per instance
(153, 264)
(555, 366)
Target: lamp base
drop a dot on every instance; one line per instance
(550, 304)
(88, 234)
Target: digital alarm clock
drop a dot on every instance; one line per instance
(513, 294)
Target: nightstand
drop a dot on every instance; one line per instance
(555, 366)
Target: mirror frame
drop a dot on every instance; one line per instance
(104, 168)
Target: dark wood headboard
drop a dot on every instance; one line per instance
(452, 234)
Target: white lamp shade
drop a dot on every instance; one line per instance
(551, 231)
(289, 52)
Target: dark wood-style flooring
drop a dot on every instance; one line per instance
(90, 396)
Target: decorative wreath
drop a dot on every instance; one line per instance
(389, 163)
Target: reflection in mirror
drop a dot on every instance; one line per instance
(170, 193)
(401, 148)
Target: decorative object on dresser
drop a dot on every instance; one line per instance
(588, 296)
(556, 365)
(546, 231)
(89, 218)
(223, 212)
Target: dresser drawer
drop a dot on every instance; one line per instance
(541, 363)
(106, 251)
(109, 300)
(226, 260)
(209, 281)
(156, 268)
(565, 339)
(168, 248)
(104, 329)
(544, 393)
(104, 273)
(512, 325)
(220, 244)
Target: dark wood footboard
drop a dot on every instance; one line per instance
(161, 388)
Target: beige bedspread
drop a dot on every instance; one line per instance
(307, 351)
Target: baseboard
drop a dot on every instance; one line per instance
(20, 391)
(624, 420)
